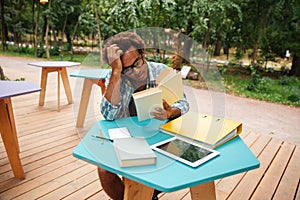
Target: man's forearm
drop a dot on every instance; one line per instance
(112, 93)
(174, 113)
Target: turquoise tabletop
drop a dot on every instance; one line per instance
(167, 175)
(90, 73)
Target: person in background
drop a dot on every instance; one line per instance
(287, 54)
(130, 73)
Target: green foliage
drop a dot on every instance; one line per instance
(239, 54)
(256, 82)
(292, 84)
(41, 52)
(285, 90)
(54, 51)
(222, 70)
(157, 58)
(20, 79)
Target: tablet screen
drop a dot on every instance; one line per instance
(183, 151)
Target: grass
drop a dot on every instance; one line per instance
(252, 83)
(284, 90)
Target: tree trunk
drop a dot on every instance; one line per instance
(254, 54)
(32, 20)
(3, 27)
(218, 47)
(36, 33)
(54, 37)
(2, 76)
(99, 33)
(47, 42)
(187, 49)
(226, 50)
(63, 33)
(16, 36)
(47, 36)
(295, 71)
(19, 19)
(206, 35)
(188, 42)
(73, 38)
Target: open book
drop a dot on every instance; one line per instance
(169, 87)
(208, 130)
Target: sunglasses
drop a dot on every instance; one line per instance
(129, 69)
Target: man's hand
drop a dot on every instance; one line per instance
(163, 113)
(112, 93)
(113, 56)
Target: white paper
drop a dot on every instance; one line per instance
(184, 71)
(115, 133)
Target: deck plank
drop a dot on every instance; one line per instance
(272, 177)
(69, 143)
(228, 184)
(175, 195)
(287, 188)
(47, 138)
(86, 192)
(99, 196)
(251, 180)
(39, 170)
(74, 185)
(58, 182)
(46, 178)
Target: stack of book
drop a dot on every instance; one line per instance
(131, 151)
(134, 152)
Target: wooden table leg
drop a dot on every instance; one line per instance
(62, 72)
(84, 101)
(12, 120)
(58, 89)
(9, 138)
(65, 80)
(204, 191)
(44, 78)
(136, 191)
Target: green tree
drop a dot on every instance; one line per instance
(284, 31)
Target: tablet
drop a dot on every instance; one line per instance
(185, 152)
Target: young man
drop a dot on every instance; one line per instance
(125, 53)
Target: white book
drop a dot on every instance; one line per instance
(133, 152)
(146, 101)
(169, 87)
(115, 133)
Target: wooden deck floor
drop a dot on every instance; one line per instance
(47, 138)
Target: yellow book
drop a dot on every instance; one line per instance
(170, 82)
(208, 130)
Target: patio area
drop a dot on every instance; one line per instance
(47, 138)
